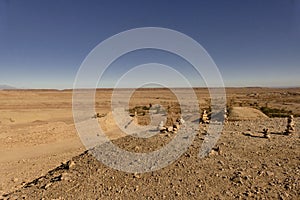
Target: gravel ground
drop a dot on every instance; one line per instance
(242, 165)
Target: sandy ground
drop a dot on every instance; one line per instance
(37, 134)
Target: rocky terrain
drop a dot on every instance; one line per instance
(241, 166)
(37, 135)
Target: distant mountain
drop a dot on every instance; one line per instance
(6, 87)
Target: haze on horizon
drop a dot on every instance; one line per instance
(253, 43)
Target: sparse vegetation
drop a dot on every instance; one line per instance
(275, 112)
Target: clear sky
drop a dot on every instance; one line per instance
(253, 42)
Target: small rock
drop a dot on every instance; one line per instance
(170, 129)
(176, 126)
(47, 185)
(136, 175)
(254, 166)
(70, 164)
(288, 187)
(221, 162)
(247, 133)
(187, 155)
(267, 136)
(237, 179)
(162, 129)
(269, 173)
(136, 188)
(249, 194)
(215, 151)
(15, 180)
(228, 193)
(212, 153)
(260, 173)
(272, 184)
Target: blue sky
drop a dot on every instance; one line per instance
(253, 42)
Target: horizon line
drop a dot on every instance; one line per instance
(112, 88)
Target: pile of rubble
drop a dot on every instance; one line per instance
(171, 129)
(290, 128)
(98, 115)
(204, 119)
(220, 117)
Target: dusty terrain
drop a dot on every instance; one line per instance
(37, 134)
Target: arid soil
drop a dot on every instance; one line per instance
(37, 134)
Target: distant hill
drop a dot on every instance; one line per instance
(7, 87)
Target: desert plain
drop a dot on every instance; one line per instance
(42, 156)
